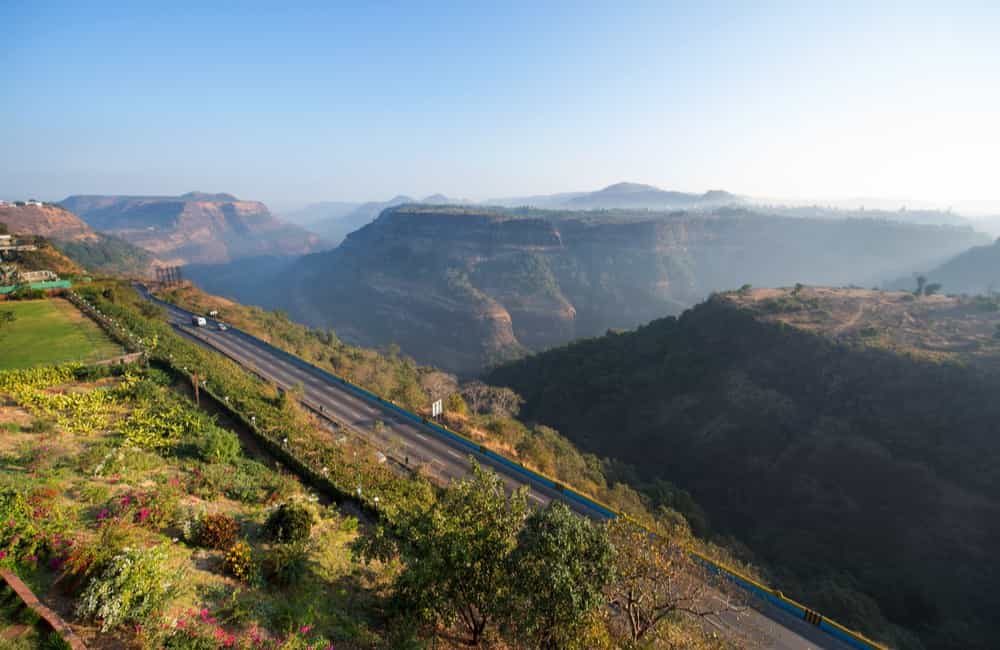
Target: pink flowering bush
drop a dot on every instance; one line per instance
(152, 509)
(199, 630)
(30, 530)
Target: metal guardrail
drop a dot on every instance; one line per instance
(749, 585)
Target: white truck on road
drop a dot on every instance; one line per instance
(199, 321)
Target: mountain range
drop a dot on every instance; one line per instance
(333, 220)
(467, 287)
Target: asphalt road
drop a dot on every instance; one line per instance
(762, 627)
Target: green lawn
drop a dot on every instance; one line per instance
(50, 331)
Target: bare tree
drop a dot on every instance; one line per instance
(483, 398)
(656, 577)
(438, 385)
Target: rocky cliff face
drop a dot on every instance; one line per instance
(49, 221)
(463, 288)
(195, 227)
(97, 252)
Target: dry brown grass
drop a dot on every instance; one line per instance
(935, 327)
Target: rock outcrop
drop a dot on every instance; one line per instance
(49, 221)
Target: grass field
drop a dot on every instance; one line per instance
(48, 332)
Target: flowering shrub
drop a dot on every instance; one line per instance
(217, 531)
(20, 537)
(239, 562)
(153, 509)
(132, 588)
(88, 559)
(291, 522)
(199, 630)
(30, 530)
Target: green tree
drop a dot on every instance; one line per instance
(932, 288)
(456, 404)
(921, 281)
(559, 569)
(456, 553)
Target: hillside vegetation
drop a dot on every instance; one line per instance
(145, 524)
(847, 437)
(390, 374)
(109, 255)
(47, 257)
(163, 529)
(463, 288)
(480, 412)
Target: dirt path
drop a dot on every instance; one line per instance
(850, 322)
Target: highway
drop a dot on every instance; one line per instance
(763, 627)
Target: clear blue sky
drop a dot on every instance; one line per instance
(476, 99)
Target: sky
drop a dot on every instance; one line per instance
(365, 100)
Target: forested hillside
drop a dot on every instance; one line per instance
(859, 465)
(110, 255)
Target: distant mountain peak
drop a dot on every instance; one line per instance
(207, 196)
(626, 187)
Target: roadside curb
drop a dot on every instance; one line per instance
(51, 618)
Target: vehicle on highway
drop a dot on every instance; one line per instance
(222, 327)
(199, 321)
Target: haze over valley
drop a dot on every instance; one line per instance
(463, 287)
